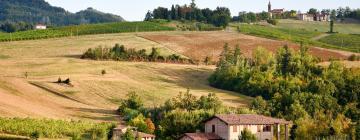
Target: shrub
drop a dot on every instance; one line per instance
(35, 135)
(353, 57)
(103, 72)
(272, 21)
(67, 81)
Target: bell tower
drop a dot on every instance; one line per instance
(269, 7)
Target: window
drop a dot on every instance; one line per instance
(259, 128)
(213, 129)
(234, 128)
(267, 128)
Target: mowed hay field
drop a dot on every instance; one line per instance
(198, 45)
(93, 96)
(345, 28)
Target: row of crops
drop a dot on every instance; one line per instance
(117, 27)
(346, 41)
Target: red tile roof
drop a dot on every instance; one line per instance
(248, 119)
(202, 136)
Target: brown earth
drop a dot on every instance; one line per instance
(198, 45)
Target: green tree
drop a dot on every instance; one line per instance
(129, 135)
(331, 26)
(148, 16)
(312, 11)
(247, 135)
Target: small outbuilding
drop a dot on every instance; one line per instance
(40, 27)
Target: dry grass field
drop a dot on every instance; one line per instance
(202, 44)
(93, 96)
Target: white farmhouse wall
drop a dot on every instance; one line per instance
(221, 129)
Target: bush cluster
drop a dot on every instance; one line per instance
(120, 53)
(272, 21)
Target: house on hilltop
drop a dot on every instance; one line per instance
(230, 126)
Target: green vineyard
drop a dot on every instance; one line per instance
(86, 29)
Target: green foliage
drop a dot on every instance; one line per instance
(354, 57)
(219, 17)
(120, 53)
(35, 135)
(13, 27)
(322, 101)
(85, 29)
(129, 135)
(272, 21)
(181, 114)
(247, 135)
(36, 128)
(133, 101)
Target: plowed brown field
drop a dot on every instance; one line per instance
(198, 45)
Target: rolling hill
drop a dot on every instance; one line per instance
(93, 97)
(39, 11)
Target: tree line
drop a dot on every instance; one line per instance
(10, 27)
(322, 101)
(341, 13)
(120, 53)
(219, 17)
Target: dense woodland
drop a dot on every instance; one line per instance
(322, 101)
(219, 17)
(120, 53)
(39, 11)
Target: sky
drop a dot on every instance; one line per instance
(135, 10)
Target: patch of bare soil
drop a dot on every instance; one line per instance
(198, 45)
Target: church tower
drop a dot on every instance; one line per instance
(269, 7)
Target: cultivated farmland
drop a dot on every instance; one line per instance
(199, 45)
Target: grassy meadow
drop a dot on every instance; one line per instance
(312, 33)
(344, 28)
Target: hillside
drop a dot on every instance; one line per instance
(94, 97)
(311, 33)
(39, 11)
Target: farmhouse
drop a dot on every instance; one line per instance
(230, 126)
(313, 17)
(40, 27)
(274, 11)
(121, 129)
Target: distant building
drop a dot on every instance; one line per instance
(121, 129)
(40, 27)
(274, 11)
(230, 126)
(314, 17)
